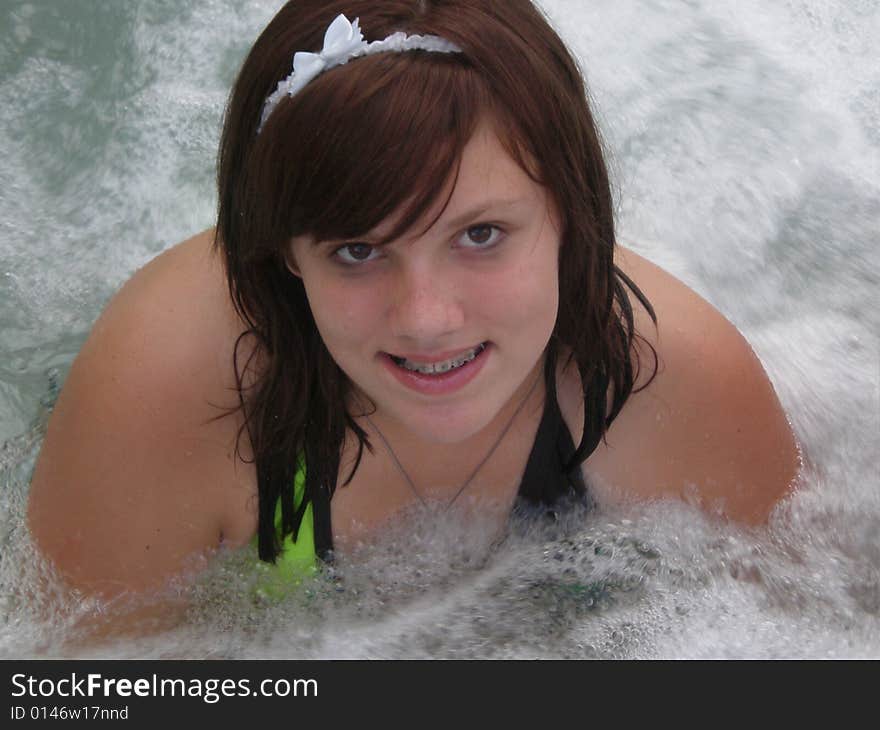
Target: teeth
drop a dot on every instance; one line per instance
(440, 367)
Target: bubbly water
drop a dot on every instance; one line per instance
(744, 141)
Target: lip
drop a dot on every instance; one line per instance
(443, 383)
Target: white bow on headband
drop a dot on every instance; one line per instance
(342, 42)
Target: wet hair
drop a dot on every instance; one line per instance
(384, 135)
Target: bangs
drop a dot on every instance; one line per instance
(378, 137)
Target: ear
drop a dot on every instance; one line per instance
(290, 260)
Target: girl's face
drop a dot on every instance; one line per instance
(483, 280)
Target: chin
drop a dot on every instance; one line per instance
(452, 427)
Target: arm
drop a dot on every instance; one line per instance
(709, 428)
(133, 483)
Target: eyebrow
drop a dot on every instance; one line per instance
(479, 210)
(457, 222)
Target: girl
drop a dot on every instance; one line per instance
(413, 294)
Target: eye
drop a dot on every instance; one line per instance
(354, 254)
(484, 235)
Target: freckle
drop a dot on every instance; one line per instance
(148, 547)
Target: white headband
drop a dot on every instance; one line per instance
(342, 42)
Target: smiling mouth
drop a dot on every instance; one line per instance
(438, 368)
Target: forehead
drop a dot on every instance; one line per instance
(487, 174)
(486, 164)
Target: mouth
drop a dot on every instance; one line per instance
(442, 376)
(443, 366)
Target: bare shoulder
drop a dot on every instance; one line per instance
(137, 477)
(709, 427)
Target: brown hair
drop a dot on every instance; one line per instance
(382, 135)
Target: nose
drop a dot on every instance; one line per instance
(426, 306)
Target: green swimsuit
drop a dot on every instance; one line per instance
(297, 560)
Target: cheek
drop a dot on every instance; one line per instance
(344, 315)
(525, 296)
